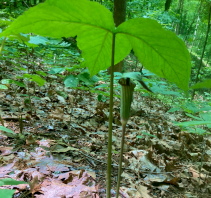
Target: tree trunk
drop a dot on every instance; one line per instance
(167, 4)
(183, 24)
(194, 37)
(199, 43)
(28, 3)
(15, 3)
(208, 57)
(119, 17)
(198, 11)
(205, 43)
(179, 11)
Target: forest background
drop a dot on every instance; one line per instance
(46, 94)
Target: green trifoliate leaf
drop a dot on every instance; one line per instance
(92, 23)
(160, 51)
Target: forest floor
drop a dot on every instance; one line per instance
(61, 146)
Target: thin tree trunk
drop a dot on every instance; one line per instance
(205, 43)
(119, 17)
(28, 3)
(15, 3)
(183, 25)
(208, 58)
(180, 9)
(198, 11)
(167, 4)
(129, 12)
(199, 43)
(194, 37)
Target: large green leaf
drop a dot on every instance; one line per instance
(71, 81)
(92, 23)
(40, 81)
(160, 51)
(7, 132)
(3, 87)
(9, 181)
(193, 123)
(6, 193)
(2, 128)
(204, 84)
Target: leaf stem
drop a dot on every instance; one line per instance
(108, 190)
(121, 156)
(2, 45)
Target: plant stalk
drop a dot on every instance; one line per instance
(127, 88)
(2, 45)
(108, 179)
(121, 156)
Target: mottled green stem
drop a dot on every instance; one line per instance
(2, 45)
(120, 158)
(108, 179)
(127, 88)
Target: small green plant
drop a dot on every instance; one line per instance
(190, 126)
(146, 134)
(7, 132)
(6, 193)
(104, 45)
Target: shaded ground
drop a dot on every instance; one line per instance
(61, 146)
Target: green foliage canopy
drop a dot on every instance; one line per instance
(160, 51)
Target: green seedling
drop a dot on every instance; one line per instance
(103, 45)
(6, 193)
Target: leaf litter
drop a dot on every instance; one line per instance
(62, 150)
